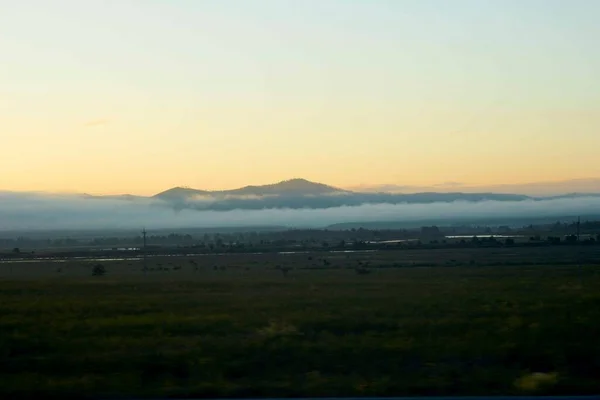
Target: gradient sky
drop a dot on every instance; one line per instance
(110, 96)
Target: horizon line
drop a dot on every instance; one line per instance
(436, 187)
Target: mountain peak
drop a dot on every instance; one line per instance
(290, 187)
(296, 186)
(299, 180)
(304, 183)
(180, 192)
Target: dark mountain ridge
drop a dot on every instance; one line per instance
(303, 194)
(291, 187)
(300, 188)
(179, 192)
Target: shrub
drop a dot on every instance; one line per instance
(278, 328)
(98, 270)
(536, 381)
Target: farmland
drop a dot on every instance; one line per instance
(422, 322)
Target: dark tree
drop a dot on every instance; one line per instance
(98, 270)
(571, 239)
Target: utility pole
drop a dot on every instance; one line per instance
(579, 252)
(144, 233)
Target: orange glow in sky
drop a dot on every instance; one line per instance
(136, 96)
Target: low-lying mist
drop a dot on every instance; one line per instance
(29, 212)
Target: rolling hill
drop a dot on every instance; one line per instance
(179, 193)
(574, 187)
(304, 194)
(291, 187)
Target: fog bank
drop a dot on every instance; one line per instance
(42, 212)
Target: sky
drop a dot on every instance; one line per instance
(136, 96)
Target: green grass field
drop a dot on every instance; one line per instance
(250, 331)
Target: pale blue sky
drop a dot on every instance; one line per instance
(341, 91)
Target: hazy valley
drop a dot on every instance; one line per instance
(291, 203)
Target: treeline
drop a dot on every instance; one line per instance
(293, 246)
(314, 238)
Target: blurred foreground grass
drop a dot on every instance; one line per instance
(395, 332)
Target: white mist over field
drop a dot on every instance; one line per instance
(20, 211)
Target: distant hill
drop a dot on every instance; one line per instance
(274, 204)
(444, 197)
(297, 187)
(581, 187)
(301, 193)
(304, 194)
(178, 193)
(572, 196)
(292, 187)
(128, 197)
